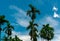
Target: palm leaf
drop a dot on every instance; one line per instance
(36, 24)
(29, 13)
(38, 11)
(28, 27)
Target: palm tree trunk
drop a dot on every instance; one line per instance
(32, 29)
(0, 32)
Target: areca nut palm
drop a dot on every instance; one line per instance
(8, 29)
(2, 21)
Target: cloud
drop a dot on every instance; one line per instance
(56, 15)
(22, 37)
(50, 20)
(57, 37)
(55, 8)
(21, 17)
(22, 22)
(18, 9)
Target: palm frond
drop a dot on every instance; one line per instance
(38, 11)
(0, 29)
(36, 24)
(31, 6)
(28, 27)
(29, 13)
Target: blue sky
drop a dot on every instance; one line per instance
(15, 12)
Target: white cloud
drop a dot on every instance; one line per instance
(55, 8)
(21, 17)
(18, 9)
(56, 15)
(22, 37)
(50, 20)
(23, 22)
(57, 37)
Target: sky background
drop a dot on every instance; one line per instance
(15, 12)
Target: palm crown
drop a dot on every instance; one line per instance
(8, 29)
(47, 32)
(32, 12)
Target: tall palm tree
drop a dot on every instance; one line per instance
(32, 12)
(33, 29)
(2, 21)
(47, 32)
(8, 29)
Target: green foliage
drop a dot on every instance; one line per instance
(47, 32)
(5, 38)
(2, 21)
(11, 39)
(16, 39)
(8, 29)
(32, 12)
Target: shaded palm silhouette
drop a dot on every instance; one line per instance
(10, 39)
(5, 38)
(16, 39)
(32, 12)
(8, 29)
(2, 21)
(47, 32)
(32, 26)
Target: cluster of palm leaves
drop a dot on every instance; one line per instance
(45, 33)
(7, 30)
(2, 21)
(11, 39)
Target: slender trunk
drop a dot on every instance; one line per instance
(0, 32)
(32, 29)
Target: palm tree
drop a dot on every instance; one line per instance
(2, 21)
(10, 38)
(5, 38)
(8, 29)
(33, 29)
(16, 39)
(47, 32)
(32, 12)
